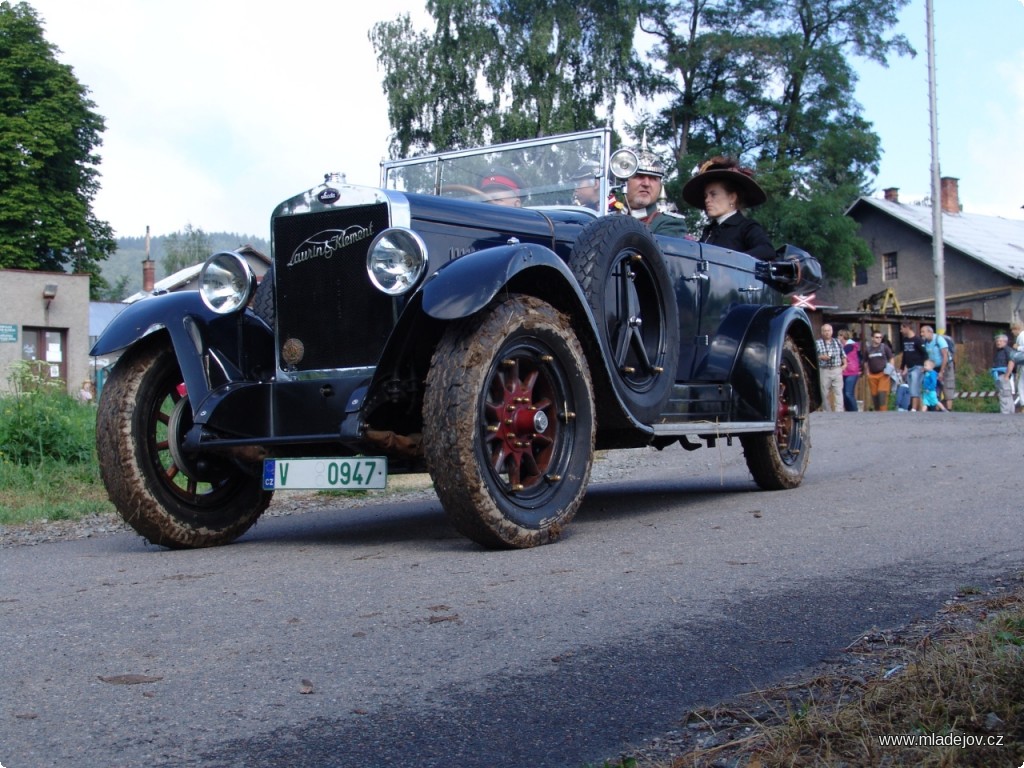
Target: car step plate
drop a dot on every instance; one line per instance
(345, 474)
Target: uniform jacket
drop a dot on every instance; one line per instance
(666, 224)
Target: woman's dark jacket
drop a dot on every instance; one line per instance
(738, 233)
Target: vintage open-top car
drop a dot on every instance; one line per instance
(419, 327)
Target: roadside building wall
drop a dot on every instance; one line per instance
(54, 332)
(972, 289)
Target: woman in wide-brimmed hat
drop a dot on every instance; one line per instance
(722, 188)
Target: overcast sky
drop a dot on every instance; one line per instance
(217, 110)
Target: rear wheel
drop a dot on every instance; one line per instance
(508, 424)
(779, 460)
(622, 273)
(172, 499)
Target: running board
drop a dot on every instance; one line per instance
(706, 429)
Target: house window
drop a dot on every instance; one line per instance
(889, 270)
(46, 351)
(860, 275)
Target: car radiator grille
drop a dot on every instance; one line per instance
(329, 314)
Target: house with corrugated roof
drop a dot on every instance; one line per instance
(983, 260)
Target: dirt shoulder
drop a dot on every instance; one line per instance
(731, 734)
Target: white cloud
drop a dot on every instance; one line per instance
(993, 143)
(217, 111)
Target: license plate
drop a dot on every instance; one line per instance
(350, 474)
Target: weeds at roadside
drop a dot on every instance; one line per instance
(968, 379)
(48, 467)
(959, 676)
(50, 491)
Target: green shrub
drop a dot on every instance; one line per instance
(968, 379)
(39, 421)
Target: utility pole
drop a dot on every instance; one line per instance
(938, 261)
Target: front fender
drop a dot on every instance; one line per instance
(181, 314)
(206, 344)
(170, 311)
(466, 285)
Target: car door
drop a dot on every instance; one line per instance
(729, 294)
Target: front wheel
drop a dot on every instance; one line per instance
(172, 499)
(778, 460)
(509, 423)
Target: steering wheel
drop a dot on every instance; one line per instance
(472, 192)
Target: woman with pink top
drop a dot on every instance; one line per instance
(852, 370)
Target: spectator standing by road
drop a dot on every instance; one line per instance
(938, 352)
(1002, 373)
(851, 371)
(949, 374)
(929, 388)
(1017, 329)
(878, 355)
(911, 362)
(831, 360)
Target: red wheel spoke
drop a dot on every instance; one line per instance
(528, 384)
(520, 420)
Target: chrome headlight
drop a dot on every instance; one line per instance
(624, 163)
(396, 260)
(226, 282)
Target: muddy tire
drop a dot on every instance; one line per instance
(207, 502)
(779, 460)
(509, 424)
(622, 272)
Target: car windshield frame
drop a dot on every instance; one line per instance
(548, 169)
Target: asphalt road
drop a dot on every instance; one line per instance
(377, 637)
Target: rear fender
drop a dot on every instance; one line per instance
(754, 376)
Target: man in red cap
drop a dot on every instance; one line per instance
(502, 187)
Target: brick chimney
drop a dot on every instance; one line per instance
(892, 194)
(148, 269)
(148, 275)
(950, 194)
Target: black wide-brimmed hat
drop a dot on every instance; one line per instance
(727, 170)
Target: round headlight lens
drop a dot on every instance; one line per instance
(226, 282)
(624, 163)
(396, 260)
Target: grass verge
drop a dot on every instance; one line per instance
(50, 490)
(953, 685)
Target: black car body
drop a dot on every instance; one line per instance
(415, 326)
